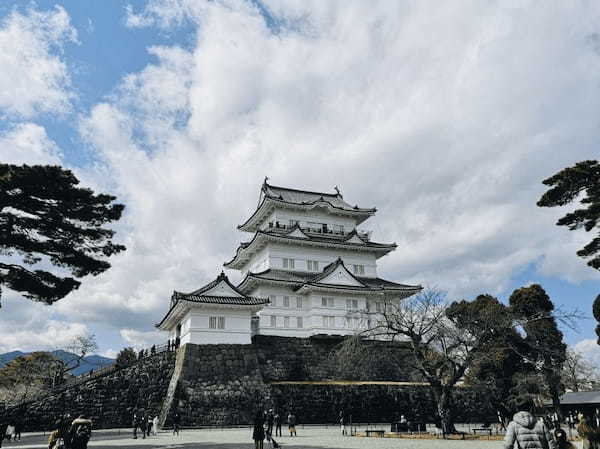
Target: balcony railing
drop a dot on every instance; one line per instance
(324, 230)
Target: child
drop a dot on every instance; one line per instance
(561, 440)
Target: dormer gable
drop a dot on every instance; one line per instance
(297, 232)
(336, 273)
(219, 287)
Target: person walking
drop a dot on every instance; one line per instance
(135, 423)
(343, 422)
(270, 421)
(526, 432)
(144, 424)
(155, 425)
(587, 433)
(18, 427)
(148, 425)
(291, 419)
(176, 421)
(80, 433)
(3, 427)
(258, 431)
(277, 420)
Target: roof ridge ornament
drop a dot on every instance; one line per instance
(337, 191)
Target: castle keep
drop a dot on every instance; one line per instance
(307, 270)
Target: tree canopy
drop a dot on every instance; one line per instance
(512, 351)
(46, 221)
(569, 185)
(126, 357)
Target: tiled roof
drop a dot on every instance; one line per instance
(302, 277)
(296, 196)
(220, 278)
(383, 248)
(581, 397)
(244, 301)
(304, 196)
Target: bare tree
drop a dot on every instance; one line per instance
(442, 349)
(578, 374)
(73, 355)
(447, 339)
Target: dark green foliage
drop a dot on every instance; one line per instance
(567, 185)
(596, 308)
(45, 217)
(544, 347)
(126, 357)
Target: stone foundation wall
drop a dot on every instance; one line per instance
(228, 384)
(218, 385)
(109, 400)
(372, 403)
(285, 358)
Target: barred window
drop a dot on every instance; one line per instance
(216, 322)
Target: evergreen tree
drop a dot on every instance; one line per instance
(46, 219)
(545, 349)
(569, 185)
(126, 357)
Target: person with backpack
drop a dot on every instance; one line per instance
(80, 433)
(526, 432)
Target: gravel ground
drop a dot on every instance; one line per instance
(310, 437)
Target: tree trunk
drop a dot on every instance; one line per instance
(443, 397)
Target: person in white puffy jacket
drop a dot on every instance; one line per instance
(527, 432)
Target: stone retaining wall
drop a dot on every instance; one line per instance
(110, 400)
(228, 384)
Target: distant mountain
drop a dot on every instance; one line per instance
(89, 363)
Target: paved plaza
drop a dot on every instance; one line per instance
(309, 437)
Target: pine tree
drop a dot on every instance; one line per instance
(47, 220)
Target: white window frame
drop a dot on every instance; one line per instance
(288, 263)
(299, 322)
(286, 301)
(286, 322)
(298, 302)
(273, 320)
(273, 300)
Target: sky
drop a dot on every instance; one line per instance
(446, 117)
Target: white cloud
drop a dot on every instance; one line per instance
(33, 74)
(142, 340)
(589, 349)
(28, 143)
(39, 334)
(446, 118)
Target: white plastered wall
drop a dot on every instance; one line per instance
(195, 327)
(325, 256)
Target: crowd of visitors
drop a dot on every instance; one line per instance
(525, 430)
(262, 429)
